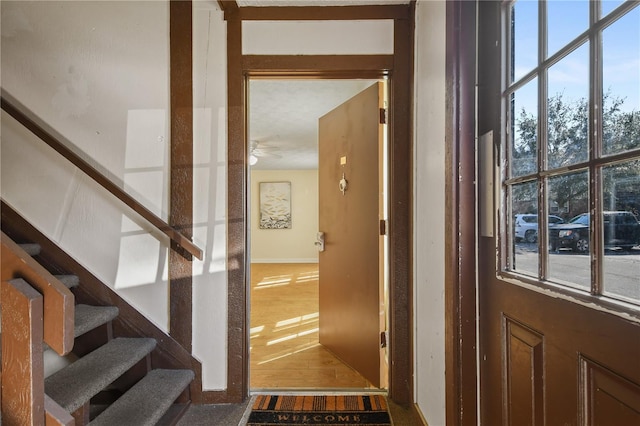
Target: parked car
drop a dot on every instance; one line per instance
(526, 226)
(621, 229)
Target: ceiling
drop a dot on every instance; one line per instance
(283, 119)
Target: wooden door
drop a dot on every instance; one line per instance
(548, 361)
(351, 314)
(552, 352)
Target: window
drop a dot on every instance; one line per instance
(571, 150)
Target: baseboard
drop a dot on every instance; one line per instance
(297, 260)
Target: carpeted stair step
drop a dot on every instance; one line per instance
(147, 401)
(70, 281)
(89, 317)
(75, 385)
(32, 249)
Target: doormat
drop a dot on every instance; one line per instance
(319, 410)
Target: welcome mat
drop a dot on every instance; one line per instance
(319, 410)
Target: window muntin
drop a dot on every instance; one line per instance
(566, 144)
(609, 5)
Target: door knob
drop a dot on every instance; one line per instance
(320, 241)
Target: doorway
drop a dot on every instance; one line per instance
(284, 274)
(399, 65)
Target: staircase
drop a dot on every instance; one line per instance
(111, 381)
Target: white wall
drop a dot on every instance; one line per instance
(293, 245)
(210, 193)
(429, 216)
(366, 37)
(98, 73)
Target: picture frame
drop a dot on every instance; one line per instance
(275, 205)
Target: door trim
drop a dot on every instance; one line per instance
(400, 185)
(460, 235)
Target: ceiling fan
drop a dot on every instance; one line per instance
(259, 149)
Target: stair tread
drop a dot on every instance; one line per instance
(70, 281)
(147, 401)
(88, 317)
(32, 249)
(75, 385)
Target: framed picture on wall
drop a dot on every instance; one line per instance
(275, 205)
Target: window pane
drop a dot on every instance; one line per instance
(621, 230)
(569, 261)
(524, 38)
(609, 5)
(621, 84)
(565, 21)
(568, 109)
(524, 128)
(525, 225)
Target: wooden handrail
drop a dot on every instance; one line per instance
(59, 302)
(53, 139)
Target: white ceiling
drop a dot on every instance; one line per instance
(283, 118)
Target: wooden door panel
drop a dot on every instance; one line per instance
(606, 397)
(523, 368)
(533, 351)
(349, 278)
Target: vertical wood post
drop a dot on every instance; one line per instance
(181, 191)
(400, 221)
(460, 249)
(237, 242)
(22, 359)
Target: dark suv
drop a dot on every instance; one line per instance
(621, 229)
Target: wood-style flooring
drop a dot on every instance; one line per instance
(285, 352)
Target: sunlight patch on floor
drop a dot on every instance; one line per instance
(271, 282)
(291, 336)
(304, 319)
(288, 353)
(255, 331)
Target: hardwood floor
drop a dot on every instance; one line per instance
(285, 352)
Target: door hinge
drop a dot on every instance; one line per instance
(383, 339)
(383, 227)
(383, 116)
